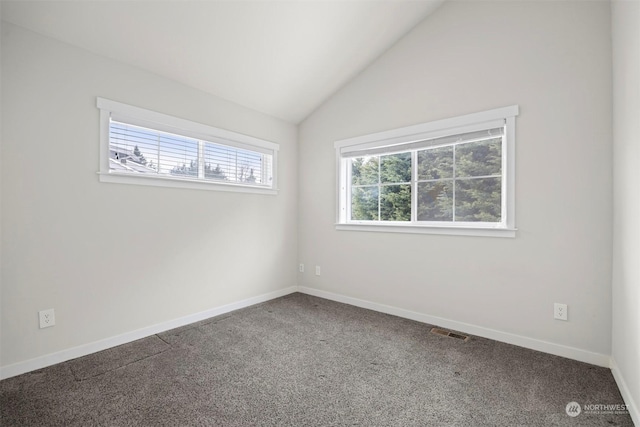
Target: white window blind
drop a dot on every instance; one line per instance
(164, 150)
(496, 129)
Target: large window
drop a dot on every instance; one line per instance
(144, 147)
(453, 176)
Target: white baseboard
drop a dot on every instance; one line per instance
(519, 340)
(634, 411)
(85, 349)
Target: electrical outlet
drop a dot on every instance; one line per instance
(301, 268)
(47, 318)
(560, 311)
(317, 270)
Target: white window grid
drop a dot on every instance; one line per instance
(414, 190)
(394, 140)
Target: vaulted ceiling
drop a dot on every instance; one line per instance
(282, 58)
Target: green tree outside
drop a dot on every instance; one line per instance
(184, 170)
(381, 188)
(214, 173)
(455, 183)
(139, 156)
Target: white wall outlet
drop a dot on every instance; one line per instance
(301, 268)
(560, 311)
(317, 270)
(47, 318)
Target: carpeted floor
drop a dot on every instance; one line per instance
(306, 361)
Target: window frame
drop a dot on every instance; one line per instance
(137, 116)
(382, 143)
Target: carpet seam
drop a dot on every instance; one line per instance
(169, 347)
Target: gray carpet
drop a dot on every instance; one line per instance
(306, 361)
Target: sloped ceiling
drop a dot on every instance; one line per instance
(282, 58)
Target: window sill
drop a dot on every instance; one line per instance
(417, 229)
(158, 181)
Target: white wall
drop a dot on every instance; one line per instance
(554, 60)
(626, 197)
(113, 258)
(188, 251)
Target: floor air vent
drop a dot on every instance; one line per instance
(445, 333)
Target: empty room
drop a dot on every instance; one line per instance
(320, 213)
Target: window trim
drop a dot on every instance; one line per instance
(424, 131)
(150, 119)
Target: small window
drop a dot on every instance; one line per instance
(144, 147)
(453, 176)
